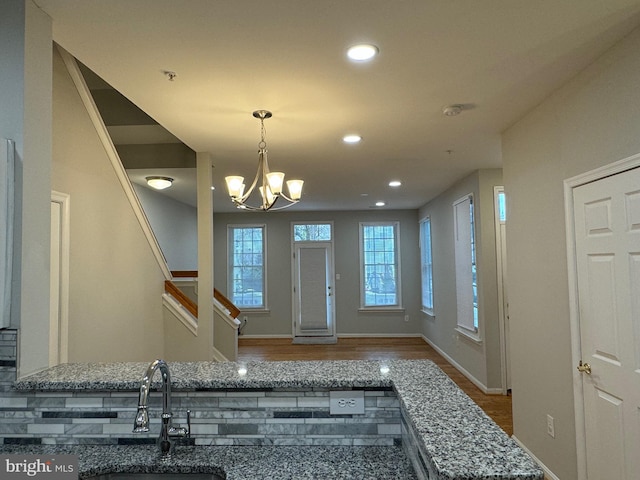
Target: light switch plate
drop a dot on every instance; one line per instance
(347, 402)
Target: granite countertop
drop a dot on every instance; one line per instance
(238, 463)
(460, 439)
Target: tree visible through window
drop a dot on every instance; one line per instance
(247, 266)
(379, 263)
(312, 232)
(426, 264)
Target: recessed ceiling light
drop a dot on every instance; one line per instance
(362, 52)
(380, 204)
(351, 138)
(395, 183)
(159, 183)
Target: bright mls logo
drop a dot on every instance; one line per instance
(39, 467)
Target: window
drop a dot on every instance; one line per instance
(312, 232)
(379, 259)
(426, 264)
(502, 207)
(466, 268)
(247, 265)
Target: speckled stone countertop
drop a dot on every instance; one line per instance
(239, 463)
(462, 442)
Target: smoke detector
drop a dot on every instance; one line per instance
(452, 110)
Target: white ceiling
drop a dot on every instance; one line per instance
(498, 57)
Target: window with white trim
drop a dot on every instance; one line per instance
(466, 268)
(379, 265)
(312, 232)
(426, 265)
(247, 266)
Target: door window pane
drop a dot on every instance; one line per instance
(312, 232)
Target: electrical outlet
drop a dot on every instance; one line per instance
(346, 402)
(406, 318)
(551, 429)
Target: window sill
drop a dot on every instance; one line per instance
(471, 336)
(259, 311)
(381, 310)
(428, 311)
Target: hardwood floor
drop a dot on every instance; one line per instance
(498, 407)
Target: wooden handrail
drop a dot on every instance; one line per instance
(185, 301)
(233, 310)
(184, 273)
(224, 301)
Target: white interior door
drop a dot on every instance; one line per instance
(54, 285)
(59, 280)
(607, 245)
(313, 290)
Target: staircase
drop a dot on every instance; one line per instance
(180, 299)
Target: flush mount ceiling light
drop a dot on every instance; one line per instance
(269, 183)
(362, 52)
(352, 138)
(159, 183)
(395, 183)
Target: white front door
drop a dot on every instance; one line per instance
(313, 290)
(607, 246)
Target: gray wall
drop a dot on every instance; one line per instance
(115, 284)
(482, 361)
(592, 121)
(278, 322)
(175, 226)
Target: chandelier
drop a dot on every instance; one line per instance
(269, 183)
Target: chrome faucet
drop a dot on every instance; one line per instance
(141, 422)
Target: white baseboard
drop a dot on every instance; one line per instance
(379, 335)
(463, 371)
(218, 356)
(180, 313)
(274, 337)
(548, 474)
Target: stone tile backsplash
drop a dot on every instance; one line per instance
(218, 417)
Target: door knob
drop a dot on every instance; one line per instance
(584, 368)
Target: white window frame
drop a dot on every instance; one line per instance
(465, 251)
(398, 305)
(294, 224)
(230, 265)
(426, 266)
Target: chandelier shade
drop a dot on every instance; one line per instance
(270, 184)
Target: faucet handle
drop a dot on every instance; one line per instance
(178, 431)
